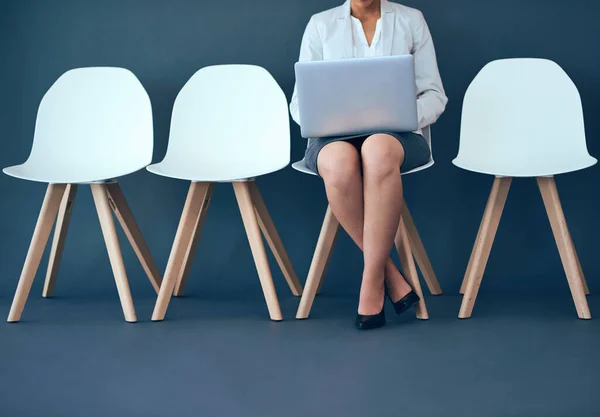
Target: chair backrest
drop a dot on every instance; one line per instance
(94, 123)
(232, 120)
(522, 117)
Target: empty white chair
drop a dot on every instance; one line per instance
(229, 124)
(93, 126)
(523, 118)
(408, 244)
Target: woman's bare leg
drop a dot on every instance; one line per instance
(339, 166)
(382, 155)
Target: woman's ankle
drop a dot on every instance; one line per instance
(372, 295)
(396, 285)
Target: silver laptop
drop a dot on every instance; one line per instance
(357, 96)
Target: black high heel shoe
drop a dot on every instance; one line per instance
(406, 302)
(366, 322)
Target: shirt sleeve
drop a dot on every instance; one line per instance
(431, 98)
(311, 49)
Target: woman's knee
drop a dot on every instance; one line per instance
(382, 154)
(338, 164)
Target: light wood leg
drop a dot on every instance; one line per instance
(463, 286)
(407, 261)
(586, 289)
(123, 213)
(273, 240)
(483, 243)
(244, 199)
(421, 254)
(184, 271)
(183, 238)
(319, 262)
(111, 239)
(564, 243)
(60, 235)
(43, 227)
(322, 280)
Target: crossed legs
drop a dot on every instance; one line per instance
(368, 205)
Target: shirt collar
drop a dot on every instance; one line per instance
(346, 9)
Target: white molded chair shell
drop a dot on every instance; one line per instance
(229, 122)
(522, 118)
(93, 124)
(301, 165)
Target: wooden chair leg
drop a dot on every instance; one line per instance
(483, 243)
(184, 271)
(273, 240)
(43, 227)
(420, 254)
(244, 199)
(407, 261)
(111, 240)
(123, 213)
(60, 235)
(566, 249)
(463, 285)
(181, 244)
(322, 280)
(319, 262)
(586, 289)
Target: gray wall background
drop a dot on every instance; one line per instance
(165, 42)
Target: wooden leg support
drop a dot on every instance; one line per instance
(111, 239)
(244, 199)
(60, 235)
(586, 289)
(420, 254)
(43, 227)
(181, 244)
(184, 271)
(566, 249)
(407, 261)
(463, 285)
(483, 243)
(121, 209)
(319, 262)
(322, 280)
(273, 240)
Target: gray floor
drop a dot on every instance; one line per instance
(529, 356)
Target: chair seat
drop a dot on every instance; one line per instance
(205, 172)
(302, 167)
(65, 174)
(533, 168)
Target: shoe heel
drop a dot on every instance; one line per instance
(406, 302)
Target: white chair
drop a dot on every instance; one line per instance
(408, 244)
(523, 118)
(93, 125)
(229, 124)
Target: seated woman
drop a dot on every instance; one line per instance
(362, 175)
